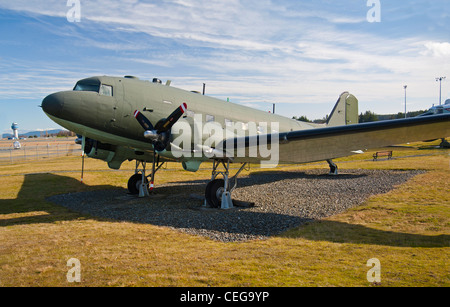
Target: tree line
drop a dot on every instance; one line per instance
(365, 117)
(369, 116)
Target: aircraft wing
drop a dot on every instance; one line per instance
(333, 142)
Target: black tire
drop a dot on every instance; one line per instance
(213, 193)
(333, 169)
(134, 182)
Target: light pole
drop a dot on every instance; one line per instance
(405, 86)
(440, 87)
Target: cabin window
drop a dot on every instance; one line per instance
(106, 90)
(209, 118)
(228, 122)
(86, 87)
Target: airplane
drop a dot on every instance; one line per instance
(126, 118)
(440, 109)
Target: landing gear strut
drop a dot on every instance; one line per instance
(333, 167)
(218, 191)
(139, 182)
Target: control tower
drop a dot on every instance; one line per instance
(15, 129)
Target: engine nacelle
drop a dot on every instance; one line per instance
(98, 150)
(191, 166)
(114, 155)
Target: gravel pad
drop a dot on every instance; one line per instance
(282, 200)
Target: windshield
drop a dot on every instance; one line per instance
(90, 86)
(87, 87)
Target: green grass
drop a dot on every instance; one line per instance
(407, 229)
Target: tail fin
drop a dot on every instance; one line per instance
(345, 112)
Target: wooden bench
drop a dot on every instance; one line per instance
(382, 154)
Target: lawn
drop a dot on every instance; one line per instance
(407, 230)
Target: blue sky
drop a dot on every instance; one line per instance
(298, 54)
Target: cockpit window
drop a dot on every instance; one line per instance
(87, 87)
(106, 90)
(91, 86)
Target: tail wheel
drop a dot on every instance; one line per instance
(213, 194)
(134, 183)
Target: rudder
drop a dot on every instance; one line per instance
(345, 111)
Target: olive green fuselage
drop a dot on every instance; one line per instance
(101, 109)
(107, 115)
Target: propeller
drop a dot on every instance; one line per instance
(160, 133)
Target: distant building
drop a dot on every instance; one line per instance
(15, 129)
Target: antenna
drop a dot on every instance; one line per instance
(440, 87)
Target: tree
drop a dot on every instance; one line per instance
(368, 117)
(302, 119)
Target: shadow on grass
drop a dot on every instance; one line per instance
(341, 232)
(30, 205)
(171, 208)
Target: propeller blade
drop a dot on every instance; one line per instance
(145, 123)
(160, 134)
(172, 119)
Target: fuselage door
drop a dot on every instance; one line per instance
(121, 112)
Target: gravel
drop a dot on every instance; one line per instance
(282, 200)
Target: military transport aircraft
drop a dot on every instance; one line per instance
(125, 118)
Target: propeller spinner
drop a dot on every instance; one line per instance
(160, 133)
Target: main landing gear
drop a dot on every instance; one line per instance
(333, 167)
(218, 191)
(139, 182)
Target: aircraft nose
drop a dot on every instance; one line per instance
(53, 104)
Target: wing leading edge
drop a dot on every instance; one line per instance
(333, 142)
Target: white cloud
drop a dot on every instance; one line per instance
(437, 49)
(250, 50)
